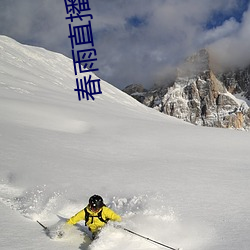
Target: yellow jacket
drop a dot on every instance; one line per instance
(94, 223)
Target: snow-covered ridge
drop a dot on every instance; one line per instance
(38, 74)
(34, 66)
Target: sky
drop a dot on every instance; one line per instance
(137, 41)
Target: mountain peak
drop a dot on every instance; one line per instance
(201, 97)
(198, 63)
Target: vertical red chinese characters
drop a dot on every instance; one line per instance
(83, 59)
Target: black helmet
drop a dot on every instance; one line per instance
(96, 202)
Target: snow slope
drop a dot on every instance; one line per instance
(176, 183)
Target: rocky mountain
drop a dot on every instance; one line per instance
(201, 96)
(237, 81)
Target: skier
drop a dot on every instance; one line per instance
(95, 214)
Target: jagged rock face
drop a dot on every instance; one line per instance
(205, 102)
(237, 81)
(137, 91)
(134, 88)
(199, 97)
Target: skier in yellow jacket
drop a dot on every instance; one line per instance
(96, 215)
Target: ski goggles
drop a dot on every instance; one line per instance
(94, 208)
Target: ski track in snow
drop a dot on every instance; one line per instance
(145, 214)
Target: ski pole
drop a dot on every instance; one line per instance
(146, 238)
(45, 228)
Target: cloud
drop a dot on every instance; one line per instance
(169, 31)
(35, 22)
(233, 49)
(228, 28)
(137, 41)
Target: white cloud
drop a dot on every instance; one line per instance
(233, 50)
(228, 28)
(173, 30)
(170, 30)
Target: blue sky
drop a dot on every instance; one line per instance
(218, 17)
(137, 41)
